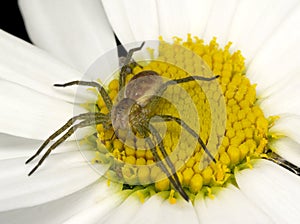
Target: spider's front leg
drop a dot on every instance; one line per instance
(189, 79)
(100, 88)
(87, 119)
(128, 58)
(164, 86)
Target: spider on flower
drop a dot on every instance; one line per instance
(131, 113)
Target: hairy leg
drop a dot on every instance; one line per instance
(100, 88)
(188, 129)
(274, 157)
(189, 79)
(88, 120)
(176, 183)
(61, 130)
(123, 72)
(183, 80)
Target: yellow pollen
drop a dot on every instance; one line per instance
(141, 196)
(246, 135)
(172, 199)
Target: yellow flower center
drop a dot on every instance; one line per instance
(235, 142)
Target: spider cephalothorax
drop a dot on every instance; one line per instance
(131, 114)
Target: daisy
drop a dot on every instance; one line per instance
(65, 189)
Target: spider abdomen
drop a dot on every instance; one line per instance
(143, 86)
(130, 112)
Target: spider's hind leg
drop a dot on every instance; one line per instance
(88, 120)
(274, 157)
(173, 177)
(69, 123)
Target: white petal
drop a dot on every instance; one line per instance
(154, 210)
(97, 212)
(142, 18)
(172, 18)
(288, 125)
(279, 55)
(29, 66)
(148, 212)
(158, 210)
(255, 22)
(117, 16)
(229, 206)
(60, 210)
(273, 189)
(219, 20)
(198, 12)
(124, 212)
(133, 21)
(283, 97)
(106, 203)
(132, 210)
(176, 213)
(146, 20)
(288, 149)
(60, 175)
(31, 114)
(14, 147)
(77, 32)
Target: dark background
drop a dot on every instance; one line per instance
(11, 20)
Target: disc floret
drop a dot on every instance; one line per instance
(246, 128)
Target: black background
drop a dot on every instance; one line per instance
(11, 20)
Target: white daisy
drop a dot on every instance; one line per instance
(65, 189)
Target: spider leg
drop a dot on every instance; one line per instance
(175, 182)
(89, 120)
(190, 78)
(69, 123)
(100, 88)
(274, 157)
(132, 62)
(183, 80)
(189, 130)
(123, 72)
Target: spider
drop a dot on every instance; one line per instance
(130, 113)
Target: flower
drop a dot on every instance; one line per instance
(66, 190)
